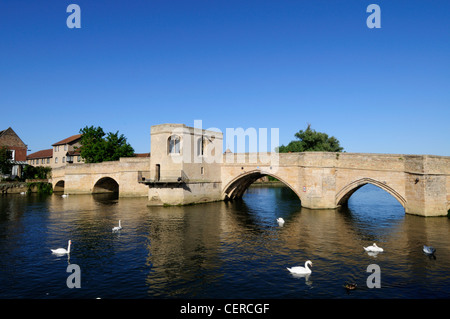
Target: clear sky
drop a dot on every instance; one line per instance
(230, 63)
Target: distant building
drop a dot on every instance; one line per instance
(66, 151)
(18, 148)
(61, 153)
(141, 154)
(41, 158)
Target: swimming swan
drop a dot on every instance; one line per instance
(301, 270)
(64, 195)
(117, 227)
(373, 248)
(62, 251)
(428, 250)
(280, 221)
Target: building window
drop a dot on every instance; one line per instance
(202, 171)
(78, 158)
(199, 146)
(201, 142)
(174, 144)
(65, 147)
(56, 160)
(63, 159)
(203, 148)
(48, 160)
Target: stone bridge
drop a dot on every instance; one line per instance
(116, 176)
(187, 166)
(321, 180)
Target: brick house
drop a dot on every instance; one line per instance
(65, 151)
(18, 148)
(61, 153)
(41, 158)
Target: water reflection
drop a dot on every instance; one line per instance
(218, 250)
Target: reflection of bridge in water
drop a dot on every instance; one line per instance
(206, 239)
(179, 173)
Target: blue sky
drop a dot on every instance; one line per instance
(247, 63)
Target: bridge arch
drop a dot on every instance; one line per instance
(344, 194)
(106, 185)
(59, 186)
(237, 186)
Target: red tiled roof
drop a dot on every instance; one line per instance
(141, 154)
(41, 154)
(68, 140)
(74, 153)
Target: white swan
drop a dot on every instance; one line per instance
(301, 270)
(62, 251)
(280, 221)
(23, 193)
(428, 250)
(373, 248)
(65, 195)
(117, 227)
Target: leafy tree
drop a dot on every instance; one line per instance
(310, 140)
(95, 148)
(117, 146)
(36, 172)
(5, 163)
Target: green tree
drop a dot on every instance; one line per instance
(95, 148)
(117, 146)
(36, 172)
(309, 140)
(5, 160)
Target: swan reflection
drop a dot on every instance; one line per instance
(306, 276)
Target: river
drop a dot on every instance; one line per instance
(219, 250)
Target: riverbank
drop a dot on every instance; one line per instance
(268, 184)
(29, 186)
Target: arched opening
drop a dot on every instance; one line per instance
(174, 144)
(345, 193)
(372, 212)
(105, 185)
(237, 187)
(258, 205)
(59, 187)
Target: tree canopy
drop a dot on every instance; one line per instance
(96, 148)
(309, 140)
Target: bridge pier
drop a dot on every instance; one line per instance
(162, 194)
(427, 185)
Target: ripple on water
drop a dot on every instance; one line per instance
(219, 250)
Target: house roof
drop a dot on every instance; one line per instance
(68, 140)
(141, 154)
(19, 141)
(3, 131)
(73, 153)
(41, 154)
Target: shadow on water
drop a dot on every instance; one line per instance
(106, 198)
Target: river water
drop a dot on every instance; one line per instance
(219, 250)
